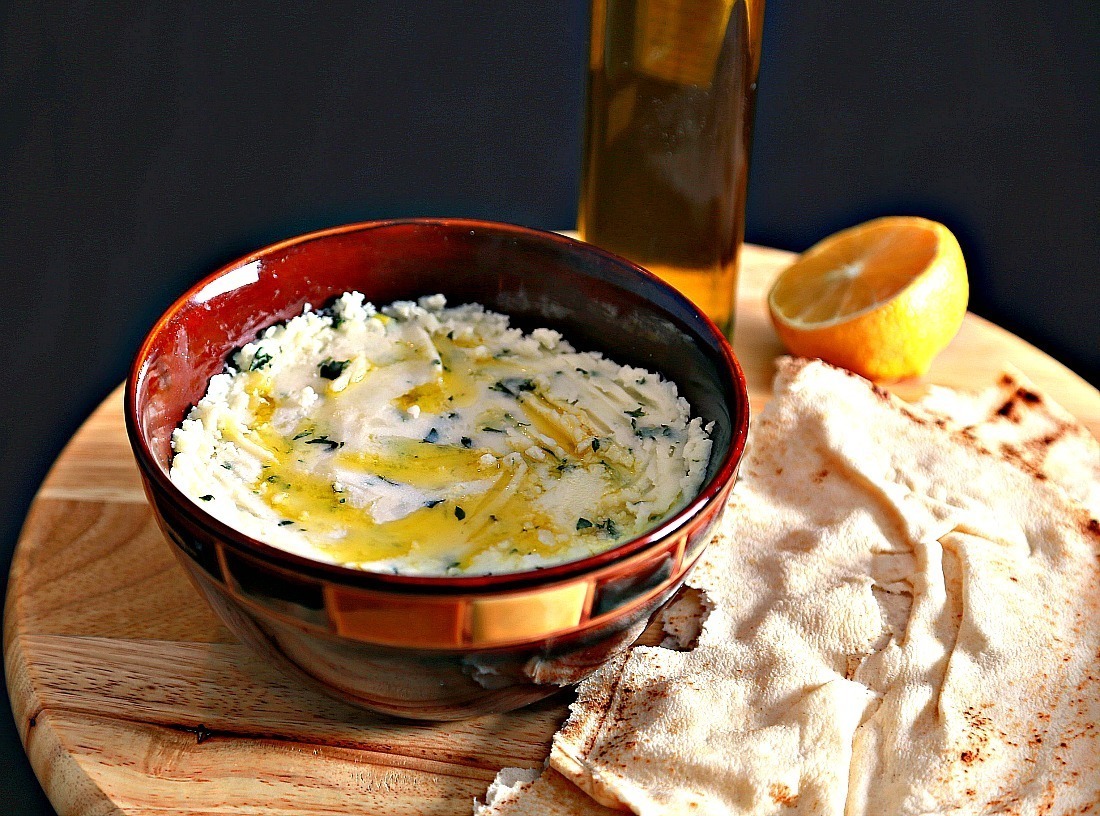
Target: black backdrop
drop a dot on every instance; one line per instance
(143, 144)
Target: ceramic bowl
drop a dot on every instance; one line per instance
(436, 647)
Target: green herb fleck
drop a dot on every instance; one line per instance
(430, 503)
(595, 444)
(332, 369)
(432, 436)
(285, 522)
(513, 386)
(324, 440)
(227, 465)
(652, 432)
(583, 523)
(459, 513)
(467, 442)
(303, 434)
(259, 360)
(492, 430)
(637, 412)
(207, 497)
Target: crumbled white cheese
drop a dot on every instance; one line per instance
(435, 440)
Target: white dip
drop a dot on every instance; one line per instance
(435, 441)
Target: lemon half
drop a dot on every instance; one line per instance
(882, 298)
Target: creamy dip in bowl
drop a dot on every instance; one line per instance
(436, 639)
(426, 440)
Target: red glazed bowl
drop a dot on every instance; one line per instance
(436, 647)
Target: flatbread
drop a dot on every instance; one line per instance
(1017, 421)
(902, 616)
(520, 792)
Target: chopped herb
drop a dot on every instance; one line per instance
(637, 412)
(450, 335)
(324, 440)
(330, 311)
(437, 362)
(303, 434)
(342, 500)
(432, 436)
(272, 478)
(595, 444)
(207, 497)
(641, 381)
(227, 465)
(513, 386)
(467, 442)
(493, 518)
(583, 523)
(459, 513)
(285, 522)
(584, 373)
(259, 360)
(454, 565)
(430, 503)
(609, 526)
(652, 432)
(492, 430)
(332, 369)
(388, 480)
(513, 551)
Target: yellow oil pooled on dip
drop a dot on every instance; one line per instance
(432, 440)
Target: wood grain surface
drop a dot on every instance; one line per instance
(130, 697)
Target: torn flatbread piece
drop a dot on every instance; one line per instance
(521, 792)
(900, 619)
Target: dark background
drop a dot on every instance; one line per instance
(142, 145)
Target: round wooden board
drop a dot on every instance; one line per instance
(131, 698)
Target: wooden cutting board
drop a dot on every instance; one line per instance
(131, 698)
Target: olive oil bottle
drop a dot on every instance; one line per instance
(668, 128)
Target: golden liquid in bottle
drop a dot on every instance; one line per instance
(668, 127)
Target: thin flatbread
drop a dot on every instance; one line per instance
(519, 792)
(902, 618)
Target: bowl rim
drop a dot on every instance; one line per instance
(402, 583)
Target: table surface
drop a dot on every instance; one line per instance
(130, 697)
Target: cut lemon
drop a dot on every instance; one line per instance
(881, 299)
